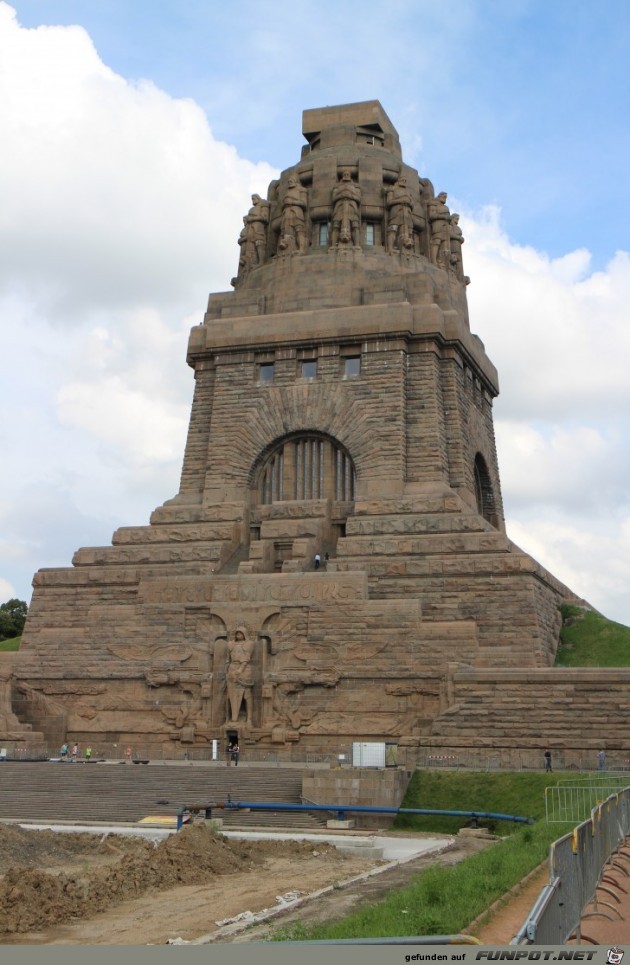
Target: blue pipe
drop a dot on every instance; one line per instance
(342, 809)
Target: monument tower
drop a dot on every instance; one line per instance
(342, 409)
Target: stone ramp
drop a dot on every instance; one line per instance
(121, 792)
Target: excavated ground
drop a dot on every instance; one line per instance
(86, 889)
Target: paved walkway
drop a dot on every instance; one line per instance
(607, 923)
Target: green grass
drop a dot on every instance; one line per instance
(444, 900)
(588, 639)
(10, 646)
(506, 792)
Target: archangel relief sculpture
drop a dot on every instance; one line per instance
(346, 214)
(240, 675)
(399, 202)
(293, 223)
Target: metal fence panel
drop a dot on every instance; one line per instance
(576, 864)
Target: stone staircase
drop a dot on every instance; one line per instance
(126, 793)
(459, 567)
(576, 710)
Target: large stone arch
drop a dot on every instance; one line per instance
(304, 465)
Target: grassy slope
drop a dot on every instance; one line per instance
(442, 901)
(10, 646)
(588, 639)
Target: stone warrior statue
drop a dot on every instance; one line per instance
(346, 216)
(456, 240)
(293, 223)
(440, 222)
(253, 237)
(240, 675)
(400, 217)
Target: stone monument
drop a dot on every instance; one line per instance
(342, 407)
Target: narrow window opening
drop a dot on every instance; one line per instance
(352, 366)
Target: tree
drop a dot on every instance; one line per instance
(12, 618)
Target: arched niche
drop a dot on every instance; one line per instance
(305, 465)
(484, 492)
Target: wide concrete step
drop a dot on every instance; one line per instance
(56, 791)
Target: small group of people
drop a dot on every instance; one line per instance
(73, 754)
(601, 760)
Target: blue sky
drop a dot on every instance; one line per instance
(521, 103)
(134, 132)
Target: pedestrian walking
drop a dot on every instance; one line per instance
(75, 751)
(235, 752)
(318, 560)
(63, 753)
(601, 760)
(88, 753)
(548, 766)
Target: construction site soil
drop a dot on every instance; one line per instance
(112, 889)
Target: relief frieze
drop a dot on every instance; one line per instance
(287, 589)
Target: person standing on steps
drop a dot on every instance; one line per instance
(317, 561)
(235, 753)
(548, 766)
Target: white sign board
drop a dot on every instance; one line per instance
(368, 755)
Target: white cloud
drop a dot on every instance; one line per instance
(6, 590)
(560, 340)
(112, 193)
(119, 211)
(558, 335)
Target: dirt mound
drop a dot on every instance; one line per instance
(32, 898)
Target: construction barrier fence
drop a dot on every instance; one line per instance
(577, 863)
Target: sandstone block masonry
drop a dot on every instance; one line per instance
(336, 553)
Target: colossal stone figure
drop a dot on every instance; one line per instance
(346, 216)
(456, 240)
(257, 221)
(253, 237)
(240, 675)
(293, 224)
(440, 221)
(400, 217)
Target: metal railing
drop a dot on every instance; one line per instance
(577, 863)
(571, 800)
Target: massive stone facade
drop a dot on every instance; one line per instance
(342, 407)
